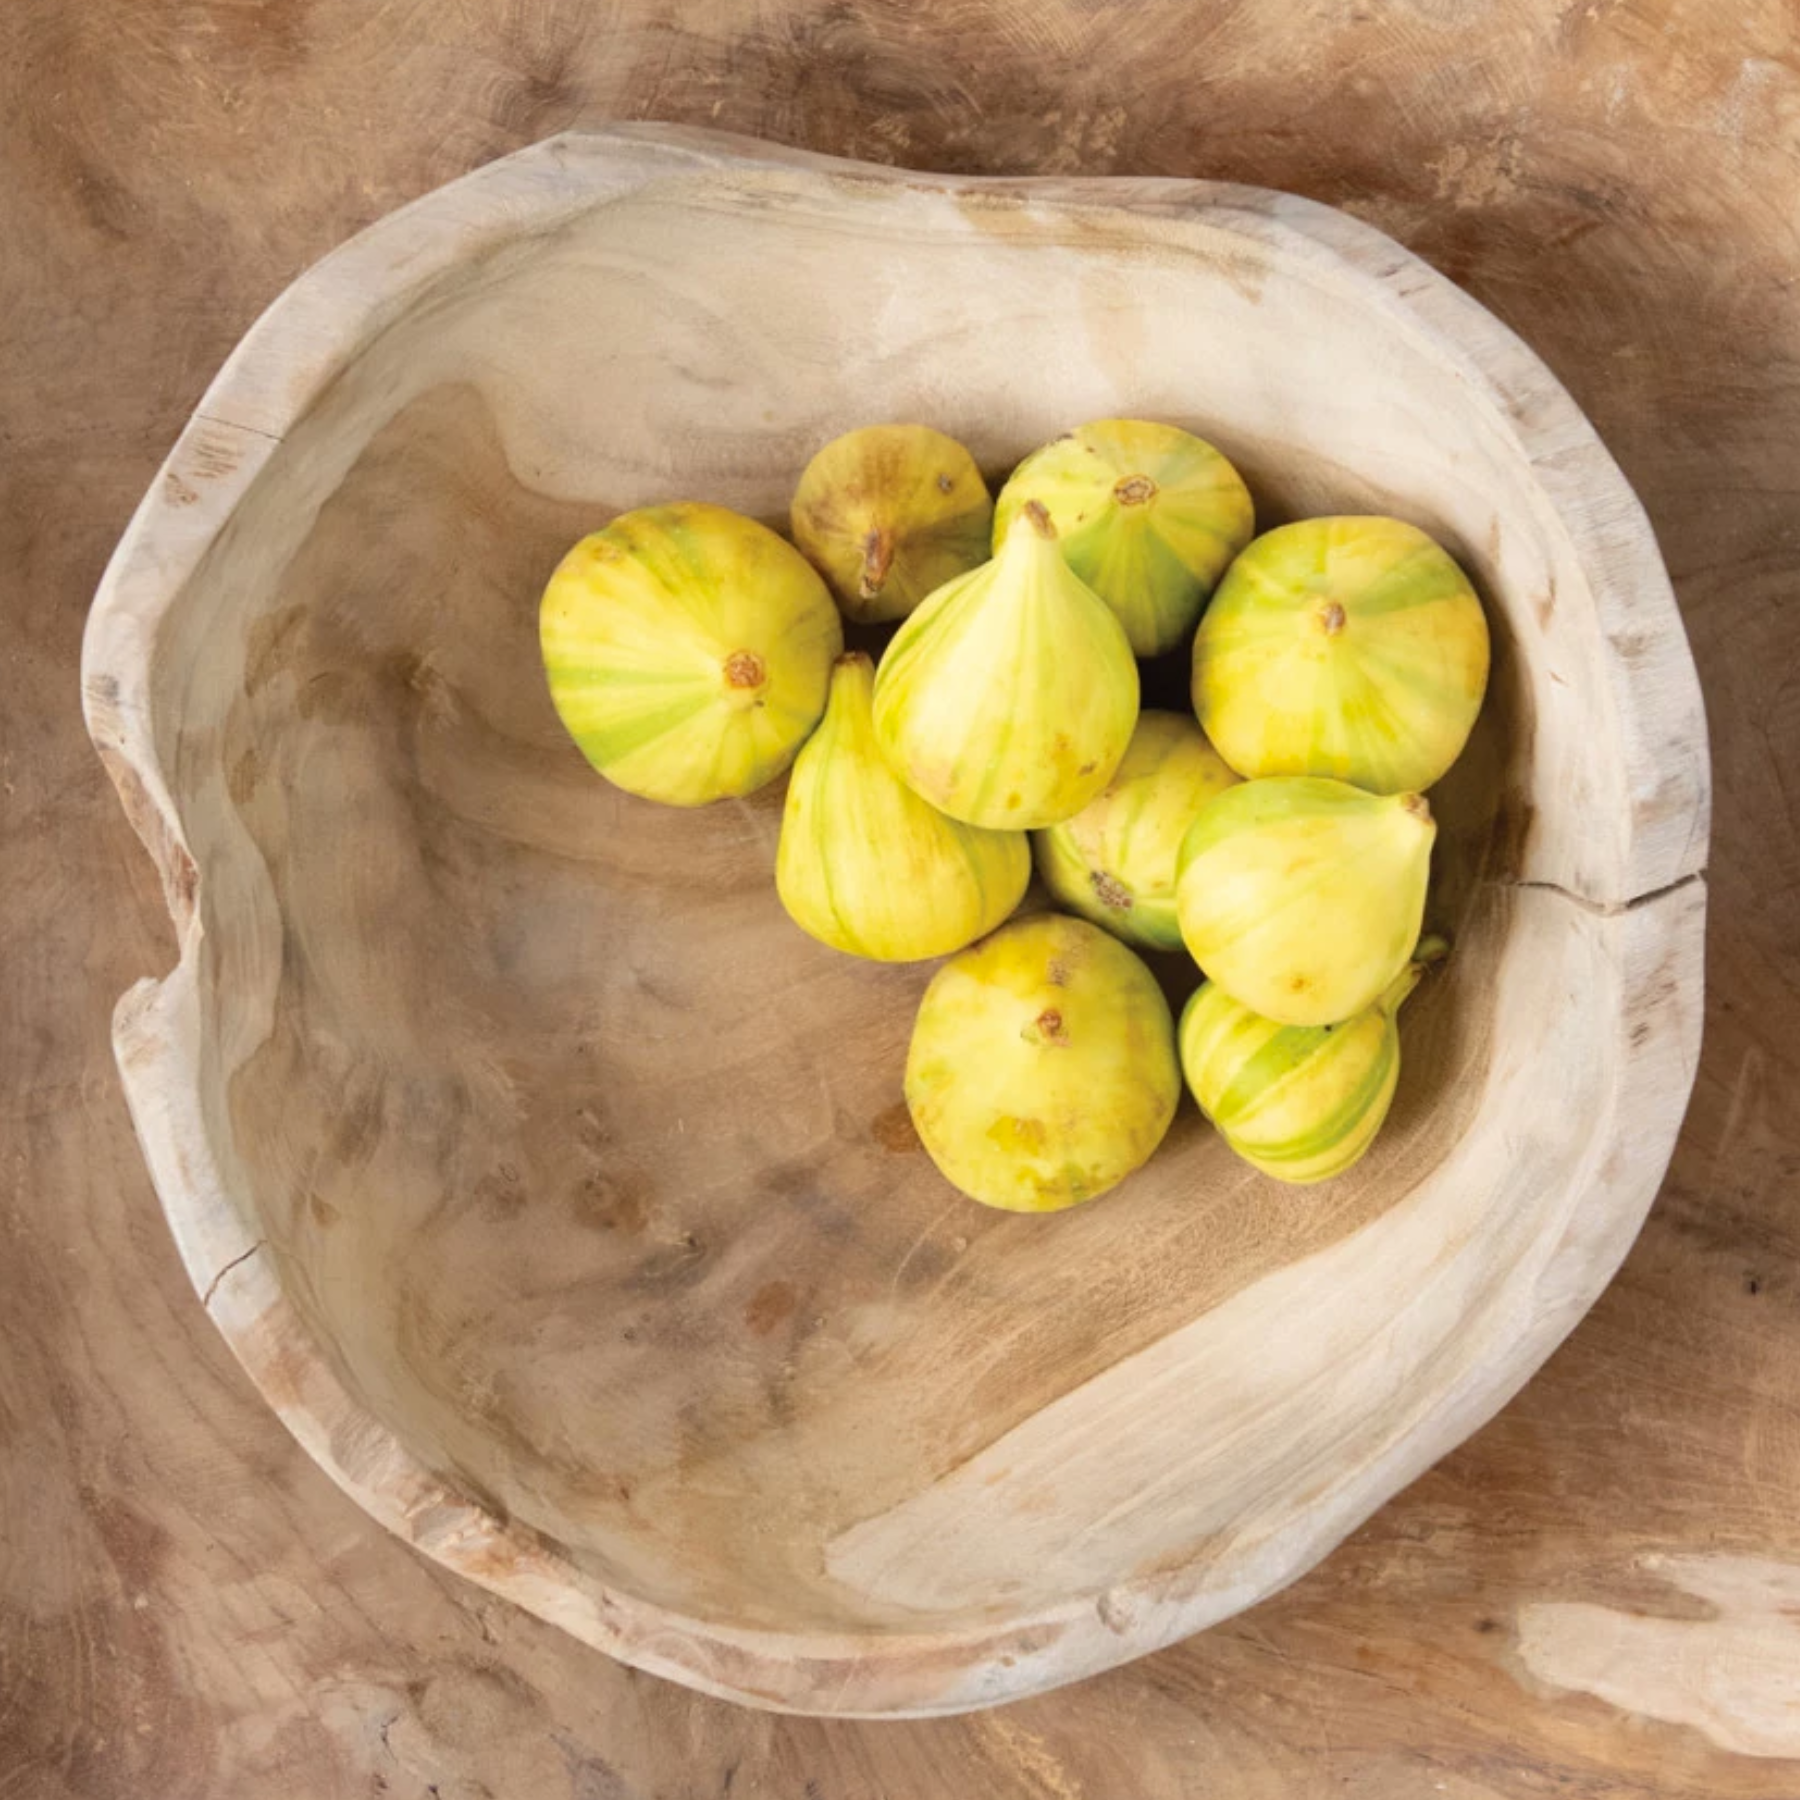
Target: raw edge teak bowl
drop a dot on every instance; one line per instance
(558, 1193)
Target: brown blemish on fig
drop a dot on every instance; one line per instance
(1134, 490)
(1110, 891)
(1039, 515)
(1057, 974)
(745, 669)
(1331, 618)
(1418, 806)
(878, 559)
(1087, 768)
(945, 484)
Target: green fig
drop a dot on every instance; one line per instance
(888, 514)
(868, 867)
(1302, 897)
(1114, 862)
(1299, 1102)
(1148, 516)
(1353, 648)
(1042, 1068)
(1009, 697)
(688, 651)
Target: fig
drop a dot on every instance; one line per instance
(868, 867)
(1114, 862)
(1353, 648)
(1148, 516)
(1299, 1102)
(1042, 1068)
(890, 513)
(688, 651)
(1302, 897)
(1008, 698)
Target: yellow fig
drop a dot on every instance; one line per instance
(1042, 1068)
(1302, 897)
(1148, 515)
(868, 867)
(1299, 1102)
(889, 514)
(688, 651)
(1353, 648)
(1009, 697)
(1114, 862)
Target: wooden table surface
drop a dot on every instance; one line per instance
(1598, 1595)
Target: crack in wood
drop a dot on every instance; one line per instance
(1609, 909)
(212, 1287)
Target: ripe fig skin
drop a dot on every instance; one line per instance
(888, 514)
(1114, 863)
(1302, 1103)
(1351, 647)
(1149, 516)
(688, 651)
(1302, 898)
(866, 866)
(1042, 1069)
(1008, 699)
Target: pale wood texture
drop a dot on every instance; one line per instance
(279, 1642)
(566, 1223)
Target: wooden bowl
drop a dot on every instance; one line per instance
(558, 1192)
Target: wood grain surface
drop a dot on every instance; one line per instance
(546, 1181)
(1593, 1597)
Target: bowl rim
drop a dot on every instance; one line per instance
(271, 380)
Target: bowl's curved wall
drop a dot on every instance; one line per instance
(557, 1191)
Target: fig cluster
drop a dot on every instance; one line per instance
(1277, 835)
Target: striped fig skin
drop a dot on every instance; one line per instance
(1148, 516)
(1352, 648)
(1008, 699)
(868, 867)
(1299, 1102)
(688, 651)
(888, 514)
(1115, 861)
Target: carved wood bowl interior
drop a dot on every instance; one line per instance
(559, 1193)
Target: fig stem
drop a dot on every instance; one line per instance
(1429, 950)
